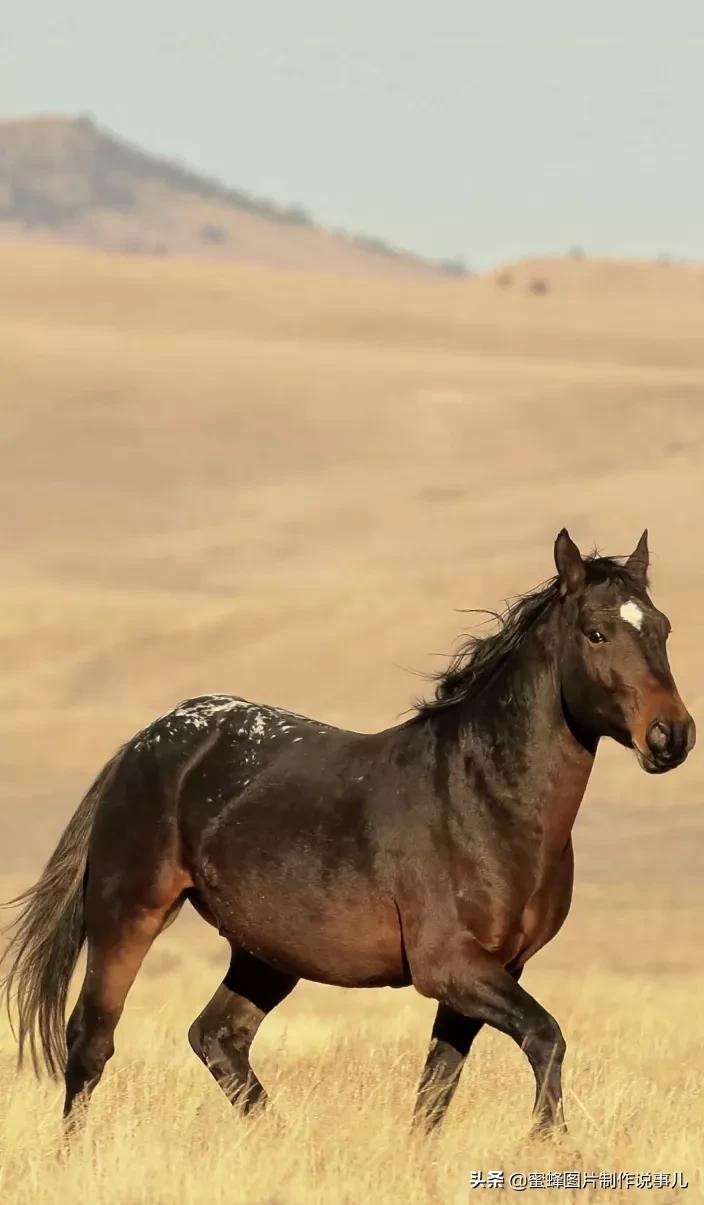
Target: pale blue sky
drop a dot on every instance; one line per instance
(485, 130)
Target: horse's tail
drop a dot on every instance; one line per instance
(49, 932)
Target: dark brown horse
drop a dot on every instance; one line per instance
(436, 853)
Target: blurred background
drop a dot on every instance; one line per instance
(315, 327)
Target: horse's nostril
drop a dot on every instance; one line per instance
(659, 736)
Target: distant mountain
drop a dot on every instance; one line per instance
(67, 180)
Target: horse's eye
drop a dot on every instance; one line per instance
(595, 636)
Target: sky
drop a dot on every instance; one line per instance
(486, 131)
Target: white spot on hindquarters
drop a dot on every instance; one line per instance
(631, 612)
(255, 721)
(211, 705)
(259, 727)
(197, 712)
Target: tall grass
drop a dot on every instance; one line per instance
(341, 1068)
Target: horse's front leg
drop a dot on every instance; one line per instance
(466, 980)
(450, 1043)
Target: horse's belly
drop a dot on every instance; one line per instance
(337, 936)
(295, 882)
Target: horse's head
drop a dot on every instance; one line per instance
(616, 678)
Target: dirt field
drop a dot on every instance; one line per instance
(227, 479)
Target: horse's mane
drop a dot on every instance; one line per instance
(478, 658)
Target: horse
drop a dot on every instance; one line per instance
(436, 853)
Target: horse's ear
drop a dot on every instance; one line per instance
(639, 560)
(569, 564)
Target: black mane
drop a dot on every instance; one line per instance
(479, 658)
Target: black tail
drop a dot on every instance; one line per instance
(48, 936)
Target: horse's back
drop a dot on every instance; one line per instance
(264, 815)
(285, 852)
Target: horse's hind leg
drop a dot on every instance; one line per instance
(116, 951)
(223, 1033)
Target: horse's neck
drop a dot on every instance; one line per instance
(516, 733)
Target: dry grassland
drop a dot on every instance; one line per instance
(217, 478)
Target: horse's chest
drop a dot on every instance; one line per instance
(520, 919)
(546, 910)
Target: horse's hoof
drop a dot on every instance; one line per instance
(548, 1133)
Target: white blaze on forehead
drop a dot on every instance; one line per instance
(631, 612)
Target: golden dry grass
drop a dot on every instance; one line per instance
(342, 1069)
(284, 486)
(220, 478)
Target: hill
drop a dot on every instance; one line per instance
(70, 181)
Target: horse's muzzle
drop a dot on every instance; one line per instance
(668, 743)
